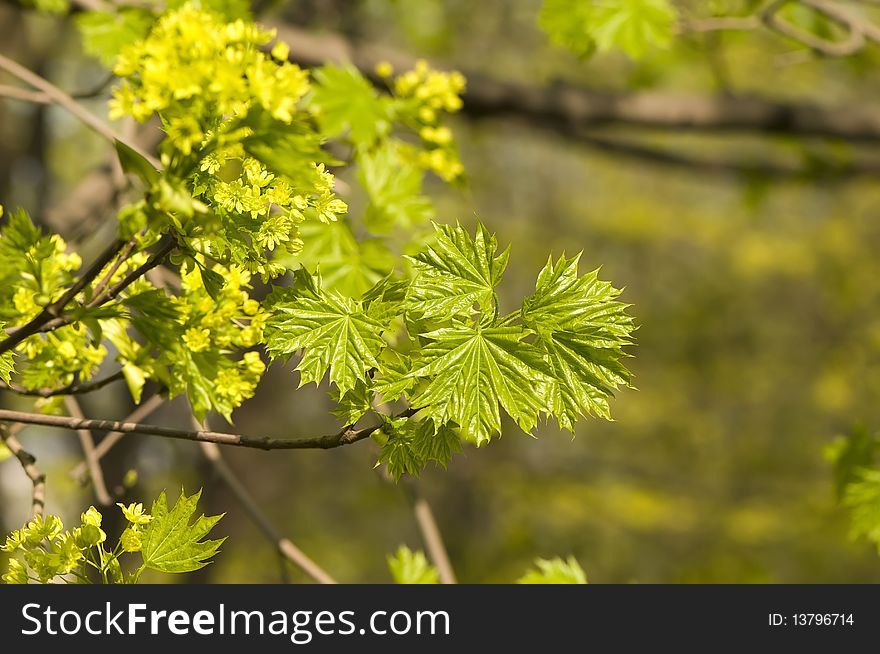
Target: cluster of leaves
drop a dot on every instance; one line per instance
(857, 480)
(409, 567)
(165, 540)
(587, 26)
(437, 339)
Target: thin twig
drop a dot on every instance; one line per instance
(24, 95)
(70, 389)
(81, 471)
(35, 326)
(28, 464)
(345, 436)
(112, 292)
(430, 533)
(855, 38)
(123, 256)
(62, 99)
(284, 546)
(88, 446)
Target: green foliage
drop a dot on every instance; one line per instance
(633, 26)
(454, 357)
(862, 497)
(172, 541)
(850, 455)
(579, 328)
(568, 23)
(461, 366)
(7, 365)
(555, 571)
(344, 100)
(408, 567)
(384, 306)
(335, 333)
(43, 552)
(105, 34)
(408, 446)
(455, 274)
(394, 185)
(470, 370)
(857, 480)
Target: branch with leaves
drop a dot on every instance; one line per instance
(403, 318)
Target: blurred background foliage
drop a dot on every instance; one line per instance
(758, 302)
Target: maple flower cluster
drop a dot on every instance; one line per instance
(194, 69)
(432, 93)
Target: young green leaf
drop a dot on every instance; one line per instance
(334, 332)
(7, 365)
(394, 185)
(555, 571)
(851, 454)
(581, 330)
(342, 98)
(171, 543)
(412, 445)
(134, 163)
(862, 496)
(105, 34)
(456, 273)
(353, 405)
(473, 369)
(347, 265)
(634, 26)
(408, 567)
(568, 24)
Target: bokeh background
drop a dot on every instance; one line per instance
(758, 302)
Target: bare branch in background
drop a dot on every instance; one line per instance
(430, 533)
(62, 99)
(81, 471)
(88, 446)
(562, 107)
(28, 464)
(24, 95)
(284, 546)
(854, 27)
(725, 167)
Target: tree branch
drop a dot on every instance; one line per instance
(123, 256)
(718, 166)
(70, 389)
(345, 436)
(28, 464)
(112, 292)
(284, 546)
(855, 38)
(62, 99)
